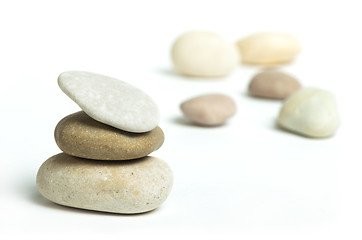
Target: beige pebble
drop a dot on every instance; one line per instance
(209, 110)
(273, 84)
(109, 186)
(311, 112)
(204, 54)
(80, 135)
(269, 48)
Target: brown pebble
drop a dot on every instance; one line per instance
(82, 136)
(209, 110)
(273, 84)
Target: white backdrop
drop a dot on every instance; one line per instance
(247, 178)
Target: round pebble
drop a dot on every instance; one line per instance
(269, 48)
(117, 186)
(204, 54)
(111, 101)
(81, 136)
(311, 112)
(209, 110)
(273, 84)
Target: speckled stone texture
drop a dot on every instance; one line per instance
(111, 101)
(273, 84)
(311, 112)
(81, 136)
(115, 186)
(204, 54)
(209, 109)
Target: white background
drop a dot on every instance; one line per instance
(247, 179)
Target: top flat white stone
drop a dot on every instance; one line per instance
(111, 101)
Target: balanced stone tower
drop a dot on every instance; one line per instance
(105, 164)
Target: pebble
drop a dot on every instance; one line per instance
(204, 54)
(111, 101)
(115, 186)
(269, 48)
(273, 84)
(209, 109)
(82, 136)
(310, 112)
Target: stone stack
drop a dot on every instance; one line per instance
(105, 164)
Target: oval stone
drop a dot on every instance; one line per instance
(209, 109)
(118, 186)
(204, 54)
(311, 112)
(269, 48)
(111, 101)
(273, 84)
(82, 136)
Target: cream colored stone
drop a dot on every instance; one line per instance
(209, 109)
(82, 136)
(118, 186)
(269, 48)
(204, 54)
(311, 112)
(273, 84)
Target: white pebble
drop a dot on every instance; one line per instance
(311, 112)
(111, 101)
(204, 54)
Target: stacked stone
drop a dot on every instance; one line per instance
(105, 164)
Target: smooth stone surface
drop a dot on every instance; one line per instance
(111, 101)
(115, 186)
(209, 109)
(311, 112)
(82, 136)
(269, 48)
(273, 84)
(204, 54)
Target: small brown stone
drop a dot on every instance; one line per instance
(82, 136)
(209, 110)
(273, 84)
